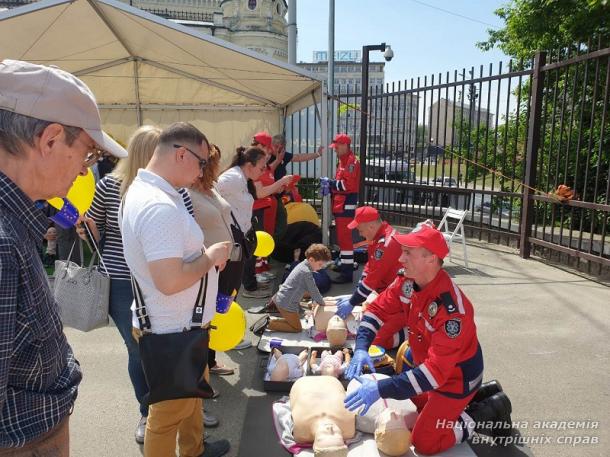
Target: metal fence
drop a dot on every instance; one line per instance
(494, 140)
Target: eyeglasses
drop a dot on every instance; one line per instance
(202, 162)
(93, 156)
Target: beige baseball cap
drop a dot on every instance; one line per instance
(53, 95)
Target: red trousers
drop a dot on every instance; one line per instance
(346, 246)
(433, 431)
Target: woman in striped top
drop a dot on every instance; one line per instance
(102, 219)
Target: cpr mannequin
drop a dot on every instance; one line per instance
(388, 419)
(330, 364)
(336, 331)
(286, 367)
(319, 416)
(323, 314)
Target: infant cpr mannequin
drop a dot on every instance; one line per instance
(330, 364)
(320, 417)
(323, 314)
(368, 422)
(286, 367)
(336, 331)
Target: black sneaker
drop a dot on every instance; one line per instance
(216, 448)
(492, 415)
(258, 328)
(486, 390)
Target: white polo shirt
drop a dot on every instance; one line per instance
(156, 225)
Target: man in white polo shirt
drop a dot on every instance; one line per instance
(164, 251)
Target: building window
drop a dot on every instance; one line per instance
(252, 4)
(278, 8)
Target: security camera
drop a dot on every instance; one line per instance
(388, 53)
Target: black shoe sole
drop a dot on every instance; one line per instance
(486, 390)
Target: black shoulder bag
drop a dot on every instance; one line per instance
(247, 240)
(174, 363)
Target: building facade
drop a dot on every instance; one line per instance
(445, 118)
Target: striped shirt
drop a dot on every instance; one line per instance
(104, 211)
(39, 375)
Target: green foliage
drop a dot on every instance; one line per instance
(532, 25)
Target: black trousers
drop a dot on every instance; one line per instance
(249, 278)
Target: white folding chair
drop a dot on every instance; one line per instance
(457, 233)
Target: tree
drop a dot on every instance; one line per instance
(532, 25)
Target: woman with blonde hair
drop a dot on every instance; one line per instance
(102, 220)
(213, 214)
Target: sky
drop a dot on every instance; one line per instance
(425, 39)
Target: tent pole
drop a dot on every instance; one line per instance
(136, 85)
(325, 166)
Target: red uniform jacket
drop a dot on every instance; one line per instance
(382, 265)
(442, 336)
(344, 187)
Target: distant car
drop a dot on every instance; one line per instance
(505, 210)
(446, 182)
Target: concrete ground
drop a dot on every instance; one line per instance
(545, 335)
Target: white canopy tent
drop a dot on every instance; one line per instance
(144, 69)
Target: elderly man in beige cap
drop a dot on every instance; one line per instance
(50, 132)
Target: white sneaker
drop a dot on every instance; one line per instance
(140, 430)
(245, 344)
(268, 275)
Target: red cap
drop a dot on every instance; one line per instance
(340, 138)
(427, 237)
(363, 214)
(263, 138)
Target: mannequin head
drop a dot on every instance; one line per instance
(281, 370)
(336, 331)
(328, 440)
(391, 433)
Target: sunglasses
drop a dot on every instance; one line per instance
(202, 161)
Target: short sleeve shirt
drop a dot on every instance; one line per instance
(156, 225)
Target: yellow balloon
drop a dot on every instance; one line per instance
(230, 328)
(301, 212)
(56, 202)
(82, 191)
(264, 245)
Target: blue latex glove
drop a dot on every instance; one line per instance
(366, 395)
(359, 360)
(344, 308)
(324, 187)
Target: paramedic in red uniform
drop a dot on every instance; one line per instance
(446, 352)
(344, 189)
(381, 267)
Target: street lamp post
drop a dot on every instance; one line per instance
(364, 108)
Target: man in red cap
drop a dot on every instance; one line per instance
(446, 353)
(383, 253)
(344, 190)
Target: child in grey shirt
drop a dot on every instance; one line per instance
(299, 281)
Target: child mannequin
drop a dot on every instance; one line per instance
(330, 364)
(286, 367)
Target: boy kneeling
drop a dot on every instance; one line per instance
(290, 293)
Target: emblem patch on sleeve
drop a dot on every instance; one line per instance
(351, 167)
(407, 289)
(432, 309)
(378, 254)
(453, 328)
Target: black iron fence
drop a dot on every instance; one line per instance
(496, 141)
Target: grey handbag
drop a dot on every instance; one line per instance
(82, 293)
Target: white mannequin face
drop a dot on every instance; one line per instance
(336, 331)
